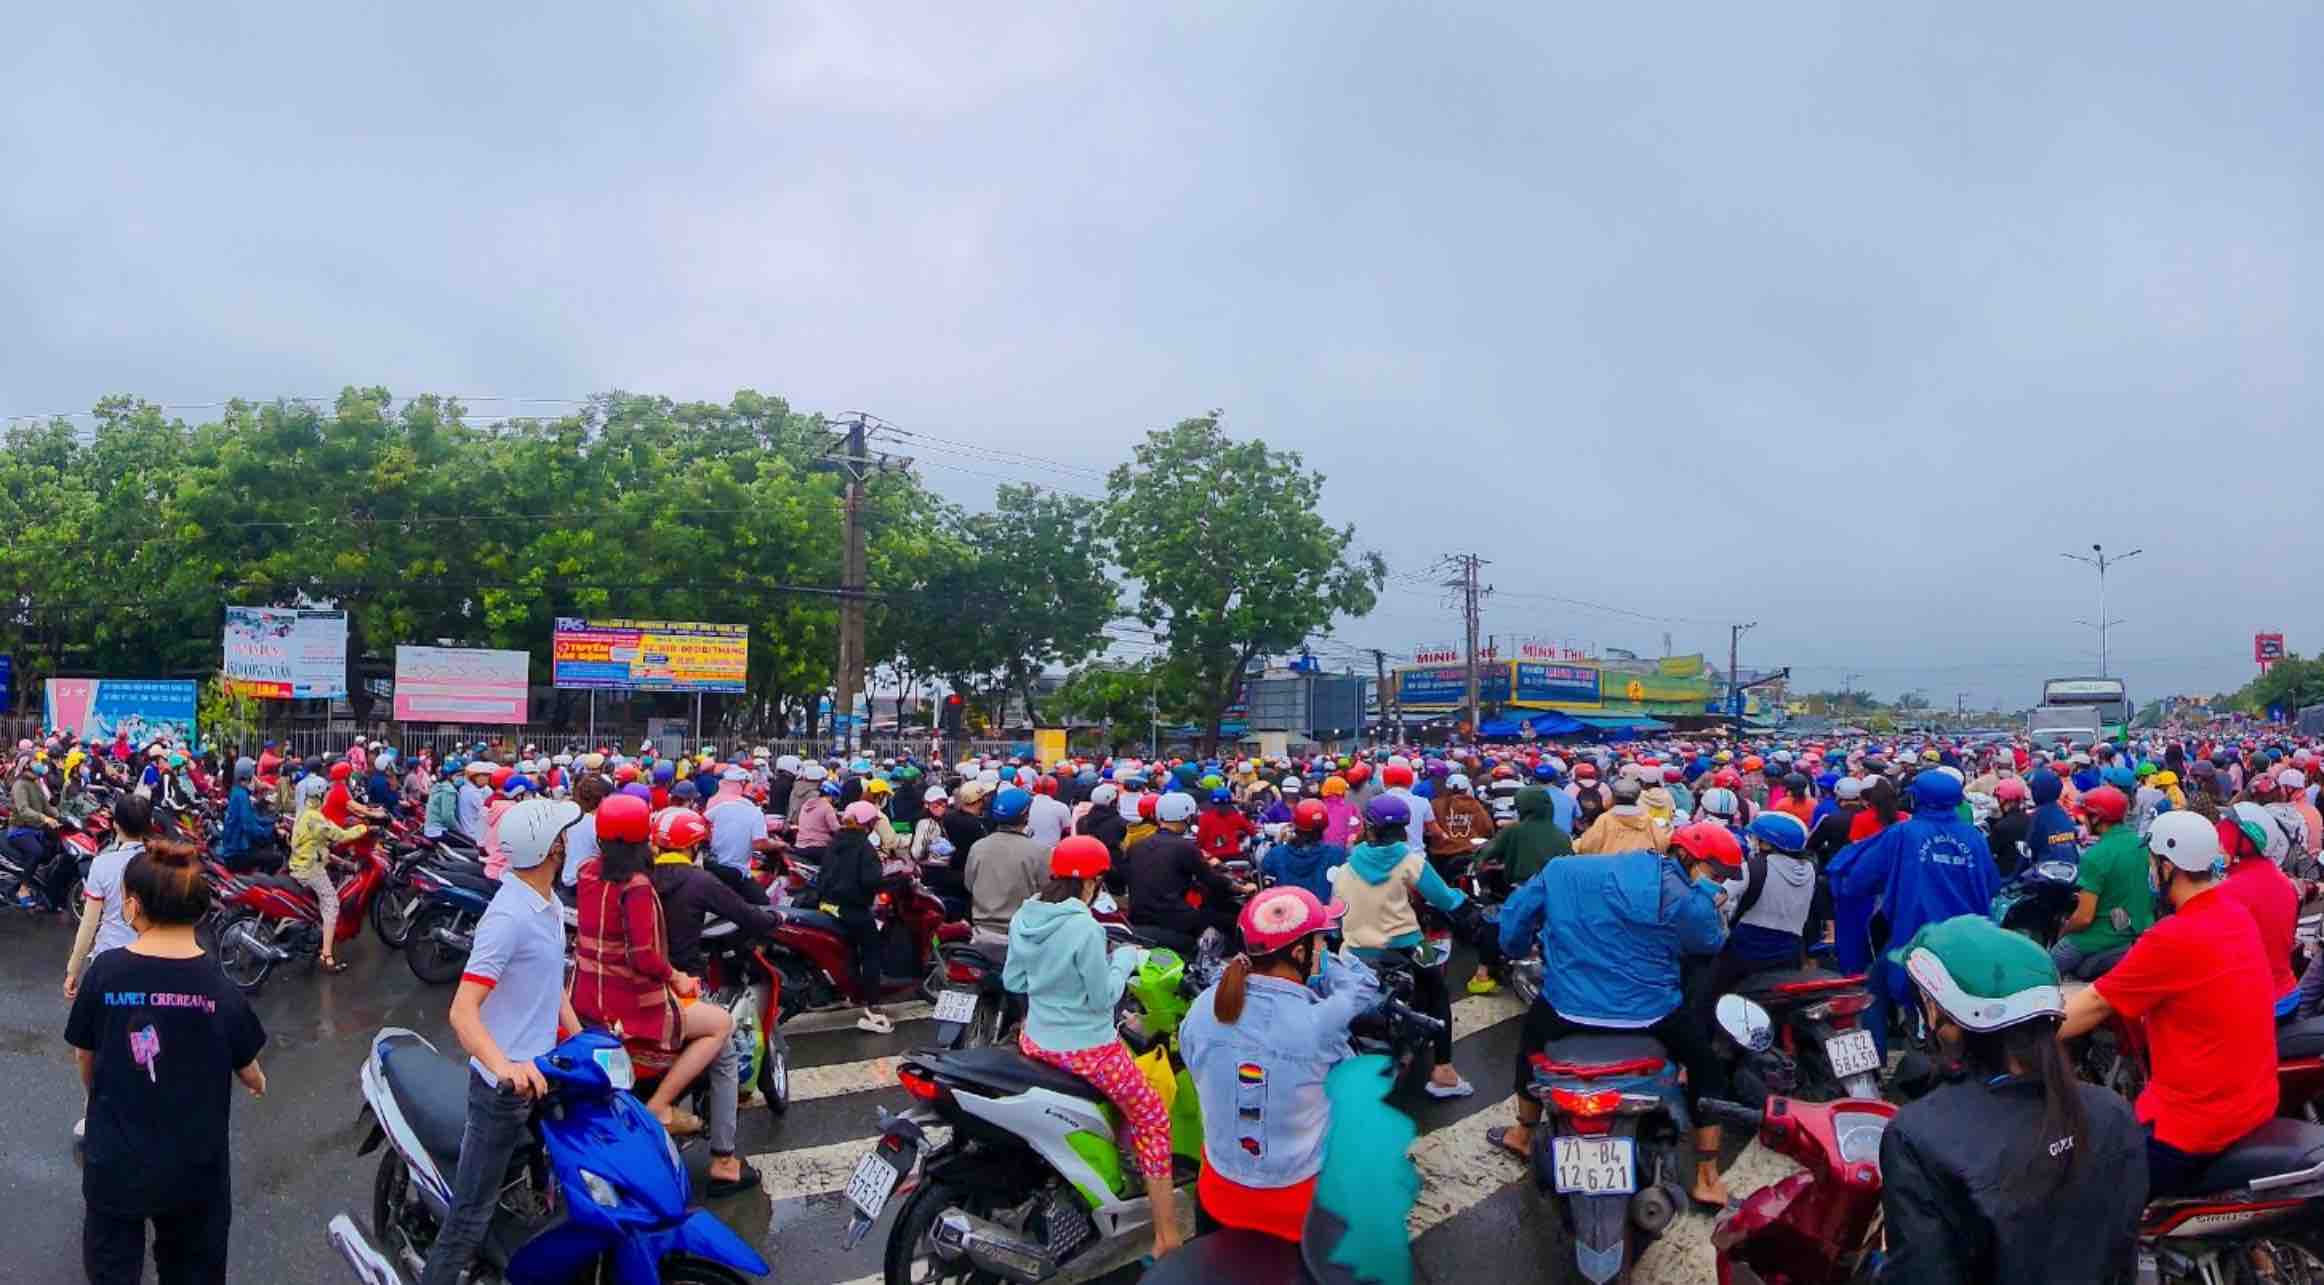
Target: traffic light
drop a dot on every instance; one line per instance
(951, 716)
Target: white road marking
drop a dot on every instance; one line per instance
(817, 1171)
(843, 1019)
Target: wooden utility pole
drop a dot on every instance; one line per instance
(1735, 678)
(1381, 699)
(849, 456)
(1472, 595)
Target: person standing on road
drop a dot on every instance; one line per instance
(510, 1008)
(159, 1034)
(310, 864)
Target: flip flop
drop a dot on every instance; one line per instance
(335, 966)
(721, 1188)
(1497, 1138)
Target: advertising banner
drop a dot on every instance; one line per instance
(1048, 746)
(98, 709)
(2267, 648)
(1546, 684)
(286, 653)
(650, 655)
(1447, 686)
(7, 684)
(460, 685)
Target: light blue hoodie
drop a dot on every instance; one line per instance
(1057, 960)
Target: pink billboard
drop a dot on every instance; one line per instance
(460, 685)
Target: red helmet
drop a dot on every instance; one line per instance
(2012, 788)
(1081, 856)
(2106, 804)
(500, 776)
(1359, 773)
(1310, 815)
(341, 771)
(1396, 776)
(1044, 785)
(1727, 778)
(1709, 841)
(678, 829)
(1146, 805)
(622, 818)
(1585, 771)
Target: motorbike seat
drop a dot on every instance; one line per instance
(716, 929)
(1759, 987)
(432, 1092)
(280, 883)
(2301, 1039)
(474, 882)
(1613, 1053)
(815, 919)
(2278, 1147)
(1007, 1072)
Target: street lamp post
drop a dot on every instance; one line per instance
(2097, 557)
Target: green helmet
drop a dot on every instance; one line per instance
(1984, 977)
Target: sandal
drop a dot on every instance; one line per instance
(332, 965)
(721, 1188)
(1497, 1138)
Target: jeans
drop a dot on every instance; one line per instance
(496, 1126)
(2074, 962)
(189, 1241)
(725, 1086)
(2170, 1171)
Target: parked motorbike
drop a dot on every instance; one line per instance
(738, 976)
(2115, 1056)
(398, 902)
(1814, 1226)
(2264, 1199)
(270, 920)
(1816, 1018)
(812, 952)
(1614, 1145)
(597, 1193)
(448, 903)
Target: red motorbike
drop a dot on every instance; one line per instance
(2116, 1057)
(811, 949)
(1815, 1225)
(264, 921)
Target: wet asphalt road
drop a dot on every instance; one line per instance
(295, 1161)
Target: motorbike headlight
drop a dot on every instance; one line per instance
(616, 1065)
(2058, 871)
(600, 1190)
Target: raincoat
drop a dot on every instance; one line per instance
(1536, 838)
(1928, 867)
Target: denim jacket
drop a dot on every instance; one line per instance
(1260, 1080)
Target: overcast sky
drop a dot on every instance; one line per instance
(1840, 319)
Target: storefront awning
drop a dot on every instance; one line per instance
(1611, 723)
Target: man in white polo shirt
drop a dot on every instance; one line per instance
(509, 1009)
(737, 828)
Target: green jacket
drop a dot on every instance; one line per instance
(2114, 869)
(1527, 845)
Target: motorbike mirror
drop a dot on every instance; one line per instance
(1746, 1023)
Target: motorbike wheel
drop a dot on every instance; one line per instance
(988, 1028)
(77, 902)
(912, 1258)
(391, 914)
(775, 1074)
(238, 955)
(393, 1211)
(432, 961)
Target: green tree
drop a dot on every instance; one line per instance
(1231, 559)
(1122, 699)
(224, 716)
(2289, 683)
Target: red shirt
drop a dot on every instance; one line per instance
(2274, 904)
(2198, 979)
(339, 805)
(1219, 832)
(1864, 825)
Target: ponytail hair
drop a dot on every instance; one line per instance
(1233, 989)
(2043, 1163)
(169, 883)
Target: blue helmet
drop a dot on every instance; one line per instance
(1010, 805)
(1546, 773)
(1779, 830)
(1222, 795)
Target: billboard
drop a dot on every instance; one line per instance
(98, 709)
(1547, 684)
(7, 684)
(286, 653)
(2267, 649)
(460, 685)
(650, 655)
(1448, 685)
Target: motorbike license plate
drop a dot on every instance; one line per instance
(956, 1006)
(870, 1185)
(1851, 1052)
(1594, 1166)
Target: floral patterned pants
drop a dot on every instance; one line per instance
(1108, 1066)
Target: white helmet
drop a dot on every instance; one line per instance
(528, 829)
(1719, 802)
(2186, 840)
(787, 763)
(1458, 783)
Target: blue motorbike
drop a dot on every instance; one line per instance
(597, 1194)
(1613, 1145)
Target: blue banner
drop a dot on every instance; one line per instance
(1449, 685)
(144, 709)
(7, 684)
(1557, 684)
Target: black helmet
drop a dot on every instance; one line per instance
(1795, 781)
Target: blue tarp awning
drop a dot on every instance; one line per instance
(1546, 722)
(1609, 723)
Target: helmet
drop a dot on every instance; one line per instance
(1709, 841)
(2186, 840)
(1282, 915)
(1439, 768)
(664, 773)
(861, 814)
(1585, 771)
(1310, 815)
(1752, 763)
(1396, 776)
(1010, 805)
(1079, 856)
(2258, 831)
(1795, 781)
(677, 829)
(1458, 783)
(341, 771)
(1672, 776)
(1335, 787)
(622, 818)
(1779, 830)
(1147, 809)
(1174, 807)
(1984, 977)
(528, 830)
(2106, 804)
(1720, 802)
(1545, 772)
(1221, 794)
(875, 786)
(1626, 789)
(1388, 812)
(1359, 773)
(1041, 784)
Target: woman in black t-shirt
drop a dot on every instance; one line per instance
(159, 1033)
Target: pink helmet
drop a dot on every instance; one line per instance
(1282, 915)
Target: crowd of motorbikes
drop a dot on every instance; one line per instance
(1006, 1167)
